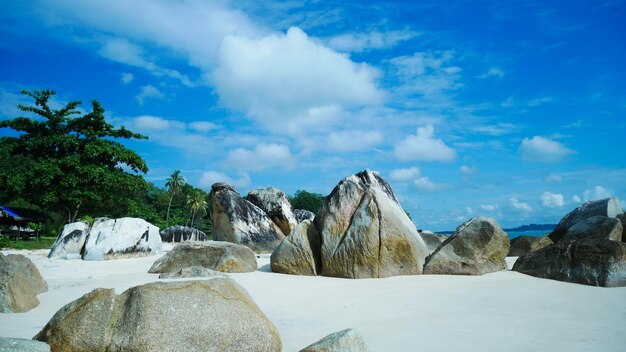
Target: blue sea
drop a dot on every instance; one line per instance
(514, 234)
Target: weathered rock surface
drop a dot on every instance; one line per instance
(609, 207)
(215, 255)
(595, 227)
(622, 219)
(303, 214)
(433, 240)
(595, 262)
(276, 205)
(237, 220)
(524, 244)
(298, 253)
(70, 243)
(194, 271)
(20, 283)
(365, 233)
(9, 344)
(122, 238)
(210, 315)
(342, 341)
(179, 233)
(477, 247)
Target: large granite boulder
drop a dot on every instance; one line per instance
(595, 227)
(9, 344)
(211, 315)
(298, 253)
(20, 283)
(276, 205)
(432, 240)
(524, 244)
(237, 220)
(303, 214)
(342, 341)
(179, 233)
(365, 233)
(221, 256)
(122, 238)
(193, 271)
(589, 261)
(609, 207)
(477, 247)
(70, 243)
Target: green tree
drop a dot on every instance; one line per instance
(67, 161)
(307, 200)
(197, 204)
(173, 185)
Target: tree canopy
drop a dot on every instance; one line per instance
(66, 161)
(307, 200)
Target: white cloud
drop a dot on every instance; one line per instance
(598, 192)
(348, 141)
(540, 101)
(170, 133)
(127, 78)
(553, 178)
(264, 156)
(210, 177)
(488, 207)
(576, 199)
(281, 80)
(403, 175)
(540, 149)
(424, 146)
(468, 170)
(358, 42)
(203, 126)
(515, 203)
(552, 200)
(424, 184)
(148, 92)
(498, 129)
(493, 72)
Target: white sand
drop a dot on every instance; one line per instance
(495, 312)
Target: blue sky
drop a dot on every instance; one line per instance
(509, 109)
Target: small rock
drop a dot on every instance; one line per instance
(303, 214)
(9, 344)
(524, 244)
(20, 283)
(342, 341)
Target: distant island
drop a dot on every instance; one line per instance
(530, 227)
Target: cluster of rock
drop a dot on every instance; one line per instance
(260, 221)
(20, 283)
(107, 239)
(587, 247)
(175, 234)
(361, 231)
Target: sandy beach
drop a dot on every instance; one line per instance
(498, 311)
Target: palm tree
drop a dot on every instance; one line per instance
(197, 204)
(173, 184)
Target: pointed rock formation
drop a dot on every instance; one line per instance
(298, 253)
(70, 243)
(276, 205)
(609, 207)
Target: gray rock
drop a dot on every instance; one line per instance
(174, 234)
(342, 341)
(70, 243)
(622, 219)
(20, 283)
(9, 344)
(298, 253)
(238, 221)
(595, 227)
(194, 271)
(198, 315)
(589, 261)
(477, 247)
(609, 207)
(432, 240)
(524, 244)
(215, 255)
(122, 238)
(303, 214)
(365, 233)
(276, 205)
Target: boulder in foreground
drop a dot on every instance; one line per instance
(215, 255)
(298, 253)
(122, 238)
(365, 233)
(71, 241)
(211, 315)
(238, 221)
(194, 271)
(477, 247)
(275, 204)
(20, 283)
(342, 341)
(595, 262)
(524, 244)
(609, 207)
(9, 344)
